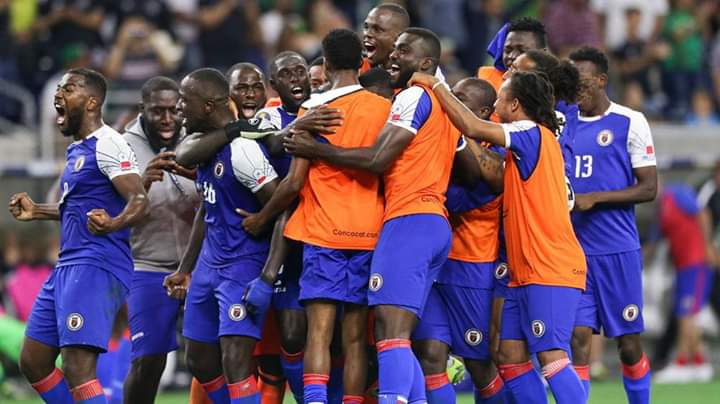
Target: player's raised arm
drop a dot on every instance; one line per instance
(131, 188)
(24, 209)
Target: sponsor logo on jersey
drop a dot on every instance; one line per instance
(631, 312)
(473, 337)
(376, 282)
(219, 169)
(538, 328)
(649, 150)
(501, 270)
(75, 321)
(605, 137)
(79, 163)
(237, 312)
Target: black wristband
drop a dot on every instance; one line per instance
(234, 129)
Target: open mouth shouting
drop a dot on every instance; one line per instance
(61, 111)
(394, 71)
(298, 93)
(369, 48)
(248, 108)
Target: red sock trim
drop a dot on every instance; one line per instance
(268, 378)
(699, 358)
(388, 344)
(87, 390)
(243, 388)
(214, 384)
(555, 367)
(681, 360)
(638, 370)
(583, 372)
(436, 381)
(353, 399)
(509, 372)
(493, 387)
(291, 358)
(49, 382)
(315, 378)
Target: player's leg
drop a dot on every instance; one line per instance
(586, 322)
(500, 291)
(152, 318)
(354, 348)
(239, 368)
(316, 363)
(271, 381)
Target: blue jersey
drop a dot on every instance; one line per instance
(569, 113)
(276, 118)
(86, 184)
(228, 182)
(606, 149)
(461, 199)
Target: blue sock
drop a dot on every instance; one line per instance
(636, 379)
(524, 383)
(494, 393)
(417, 389)
(583, 372)
(217, 390)
(335, 385)
(315, 387)
(395, 358)
(439, 390)
(292, 365)
(54, 389)
(564, 382)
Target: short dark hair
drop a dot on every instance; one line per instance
(398, 11)
(483, 86)
(375, 77)
(430, 40)
(318, 61)
(94, 80)
(157, 83)
(342, 50)
(529, 24)
(272, 66)
(535, 94)
(592, 55)
(244, 65)
(214, 84)
(562, 74)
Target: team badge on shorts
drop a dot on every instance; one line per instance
(501, 270)
(538, 328)
(219, 169)
(237, 312)
(75, 321)
(605, 137)
(376, 282)
(473, 337)
(631, 312)
(79, 163)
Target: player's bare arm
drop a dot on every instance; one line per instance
(476, 163)
(131, 188)
(644, 190)
(376, 159)
(176, 283)
(155, 169)
(24, 209)
(283, 196)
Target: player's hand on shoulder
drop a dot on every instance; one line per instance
(300, 143)
(176, 284)
(253, 222)
(100, 222)
(320, 119)
(584, 202)
(190, 174)
(155, 169)
(22, 207)
(257, 296)
(423, 79)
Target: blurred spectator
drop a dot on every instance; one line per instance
(9, 109)
(184, 17)
(571, 24)
(444, 17)
(683, 66)
(715, 67)
(612, 19)
(703, 113)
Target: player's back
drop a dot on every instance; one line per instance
(86, 184)
(680, 223)
(418, 179)
(541, 245)
(606, 150)
(343, 208)
(227, 183)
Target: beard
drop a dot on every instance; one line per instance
(404, 76)
(74, 122)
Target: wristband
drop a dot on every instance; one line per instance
(441, 82)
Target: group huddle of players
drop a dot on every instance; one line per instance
(360, 233)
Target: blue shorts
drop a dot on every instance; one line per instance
(286, 290)
(339, 275)
(501, 279)
(459, 315)
(408, 257)
(76, 306)
(213, 306)
(613, 297)
(692, 289)
(152, 315)
(540, 315)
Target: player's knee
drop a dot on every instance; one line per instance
(293, 332)
(432, 355)
(236, 363)
(34, 368)
(148, 368)
(509, 354)
(580, 343)
(481, 372)
(630, 349)
(78, 366)
(203, 367)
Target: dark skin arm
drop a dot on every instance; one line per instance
(476, 163)
(130, 186)
(279, 247)
(176, 283)
(24, 209)
(644, 190)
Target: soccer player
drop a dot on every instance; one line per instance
(220, 332)
(377, 80)
(318, 78)
(102, 195)
(247, 88)
(614, 170)
(381, 29)
(457, 315)
(158, 240)
(545, 258)
(414, 153)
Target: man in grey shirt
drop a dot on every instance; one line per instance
(159, 241)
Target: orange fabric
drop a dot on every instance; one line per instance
(87, 390)
(417, 181)
(495, 77)
(541, 244)
(198, 394)
(365, 66)
(269, 343)
(475, 233)
(434, 382)
(343, 208)
(273, 102)
(269, 393)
